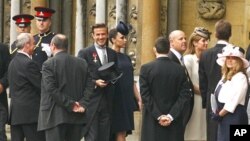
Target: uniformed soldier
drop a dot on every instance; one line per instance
(42, 39)
(22, 26)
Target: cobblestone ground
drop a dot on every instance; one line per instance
(134, 137)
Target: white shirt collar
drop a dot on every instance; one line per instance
(222, 42)
(176, 53)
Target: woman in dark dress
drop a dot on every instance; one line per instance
(230, 93)
(126, 93)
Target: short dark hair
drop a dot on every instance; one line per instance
(99, 25)
(112, 34)
(162, 45)
(223, 29)
(60, 41)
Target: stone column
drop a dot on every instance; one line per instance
(100, 11)
(15, 9)
(1, 20)
(57, 16)
(78, 27)
(172, 15)
(121, 11)
(35, 3)
(149, 26)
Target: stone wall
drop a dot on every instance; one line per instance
(237, 12)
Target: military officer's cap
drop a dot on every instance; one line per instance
(43, 13)
(23, 20)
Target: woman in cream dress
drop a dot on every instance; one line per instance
(198, 42)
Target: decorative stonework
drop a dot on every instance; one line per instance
(112, 12)
(163, 18)
(211, 9)
(92, 10)
(133, 14)
(26, 3)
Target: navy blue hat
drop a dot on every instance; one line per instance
(109, 73)
(122, 28)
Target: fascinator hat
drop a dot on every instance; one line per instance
(203, 32)
(231, 50)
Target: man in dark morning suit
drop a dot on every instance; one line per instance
(178, 44)
(164, 90)
(98, 113)
(25, 87)
(4, 63)
(210, 73)
(23, 22)
(42, 39)
(66, 86)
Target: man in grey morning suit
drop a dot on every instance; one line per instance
(66, 87)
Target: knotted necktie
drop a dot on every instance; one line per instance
(104, 56)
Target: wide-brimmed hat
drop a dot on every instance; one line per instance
(231, 50)
(203, 32)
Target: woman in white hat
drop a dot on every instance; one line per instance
(231, 91)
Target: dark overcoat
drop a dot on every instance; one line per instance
(4, 63)
(164, 90)
(188, 109)
(25, 88)
(65, 80)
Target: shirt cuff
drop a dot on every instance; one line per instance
(171, 118)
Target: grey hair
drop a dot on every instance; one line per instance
(22, 39)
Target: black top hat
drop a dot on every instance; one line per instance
(44, 12)
(23, 20)
(122, 28)
(109, 73)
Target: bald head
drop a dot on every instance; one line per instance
(178, 42)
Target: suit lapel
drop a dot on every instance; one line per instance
(173, 57)
(95, 57)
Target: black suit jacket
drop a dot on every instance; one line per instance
(25, 83)
(4, 63)
(190, 104)
(65, 80)
(91, 56)
(209, 73)
(39, 55)
(164, 90)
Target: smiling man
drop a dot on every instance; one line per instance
(98, 127)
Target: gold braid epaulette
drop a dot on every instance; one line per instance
(40, 38)
(12, 51)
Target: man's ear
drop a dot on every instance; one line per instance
(154, 49)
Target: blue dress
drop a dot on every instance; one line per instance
(124, 102)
